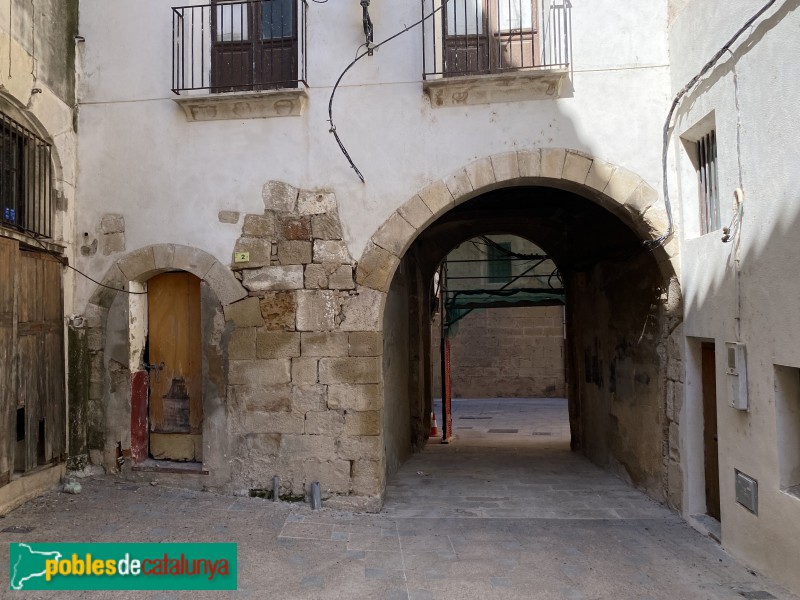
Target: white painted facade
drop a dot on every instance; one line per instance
(750, 99)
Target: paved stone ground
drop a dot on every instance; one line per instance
(491, 515)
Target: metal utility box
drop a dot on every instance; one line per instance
(747, 492)
(736, 370)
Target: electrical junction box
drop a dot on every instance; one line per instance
(747, 492)
(737, 375)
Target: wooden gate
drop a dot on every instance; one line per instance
(32, 395)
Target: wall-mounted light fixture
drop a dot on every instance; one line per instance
(368, 28)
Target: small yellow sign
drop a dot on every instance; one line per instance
(241, 257)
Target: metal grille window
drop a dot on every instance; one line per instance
(231, 46)
(708, 182)
(473, 37)
(25, 195)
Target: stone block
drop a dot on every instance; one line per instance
(111, 223)
(642, 198)
(330, 344)
(309, 397)
(259, 372)
(277, 344)
(553, 162)
(599, 175)
(376, 267)
(366, 343)
(113, 243)
(331, 251)
(362, 423)
(260, 226)
(349, 370)
(242, 343)
(274, 422)
(328, 423)
(459, 185)
(294, 252)
(225, 285)
(164, 256)
(395, 234)
(316, 310)
(333, 475)
(285, 277)
(481, 173)
(304, 371)
(576, 167)
(188, 258)
(530, 163)
(416, 212)
(295, 228)
(359, 447)
(316, 203)
(326, 227)
(245, 313)
(260, 250)
(280, 196)
(342, 278)
(674, 442)
(316, 277)
(278, 310)
(262, 444)
(229, 216)
(308, 446)
(621, 185)
(261, 398)
(138, 263)
(363, 311)
(368, 478)
(505, 166)
(352, 397)
(437, 197)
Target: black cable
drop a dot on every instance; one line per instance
(62, 259)
(665, 148)
(367, 52)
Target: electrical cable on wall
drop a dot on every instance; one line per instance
(666, 133)
(368, 52)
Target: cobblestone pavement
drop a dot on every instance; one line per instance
(491, 515)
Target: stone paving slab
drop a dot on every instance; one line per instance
(489, 516)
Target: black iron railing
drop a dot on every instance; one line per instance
(239, 46)
(25, 179)
(474, 37)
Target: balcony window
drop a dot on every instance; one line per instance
(474, 37)
(249, 45)
(25, 195)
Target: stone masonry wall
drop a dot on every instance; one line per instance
(505, 353)
(304, 367)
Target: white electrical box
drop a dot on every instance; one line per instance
(737, 375)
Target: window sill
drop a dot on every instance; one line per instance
(515, 86)
(244, 105)
(31, 241)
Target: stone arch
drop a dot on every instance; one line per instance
(142, 264)
(615, 188)
(137, 267)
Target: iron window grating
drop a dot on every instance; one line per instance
(708, 181)
(25, 179)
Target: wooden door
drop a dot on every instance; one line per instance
(710, 443)
(466, 39)
(8, 359)
(176, 402)
(514, 34)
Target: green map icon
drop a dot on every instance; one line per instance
(28, 564)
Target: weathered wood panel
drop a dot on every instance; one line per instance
(8, 335)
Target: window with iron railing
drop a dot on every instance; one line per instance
(25, 179)
(708, 182)
(474, 37)
(228, 46)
